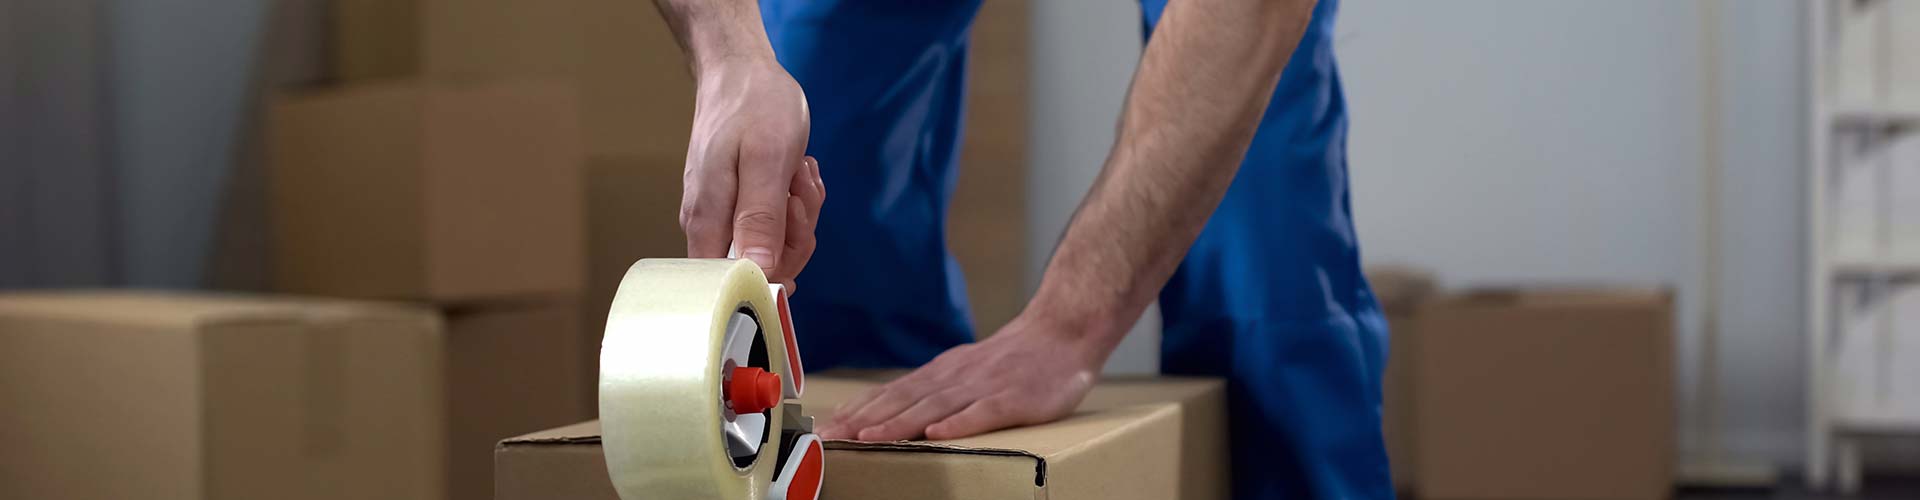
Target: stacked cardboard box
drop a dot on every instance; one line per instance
(1401, 291)
(1526, 392)
(1543, 394)
(178, 396)
(443, 166)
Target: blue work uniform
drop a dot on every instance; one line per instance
(1270, 296)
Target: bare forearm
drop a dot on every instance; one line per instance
(1203, 84)
(715, 32)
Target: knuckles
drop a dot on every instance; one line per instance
(756, 220)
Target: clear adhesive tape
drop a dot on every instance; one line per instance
(660, 374)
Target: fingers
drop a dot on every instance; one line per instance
(760, 207)
(809, 186)
(913, 422)
(799, 244)
(983, 416)
(806, 195)
(836, 428)
(888, 400)
(706, 203)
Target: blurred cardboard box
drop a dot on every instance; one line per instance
(454, 39)
(987, 219)
(1141, 438)
(444, 192)
(1400, 290)
(225, 396)
(512, 368)
(178, 396)
(1545, 394)
(637, 88)
(633, 212)
(629, 72)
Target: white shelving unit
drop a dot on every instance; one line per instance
(1836, 430)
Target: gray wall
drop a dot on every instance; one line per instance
(1084, 53)
(56, 209)
(1497, 141)
(183, 80)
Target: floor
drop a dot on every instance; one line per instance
(1874, 488)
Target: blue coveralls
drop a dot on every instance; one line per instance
(1270, 296)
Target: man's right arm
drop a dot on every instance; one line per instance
(713, 31)
(750, 189)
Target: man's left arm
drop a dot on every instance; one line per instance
(1203, 84)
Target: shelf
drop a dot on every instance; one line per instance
(1877, 424)
(1858, 268)
(1872, 115)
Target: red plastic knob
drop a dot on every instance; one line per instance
(751, 390)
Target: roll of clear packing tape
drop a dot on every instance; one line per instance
(666, 427)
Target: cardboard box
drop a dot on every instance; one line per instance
(428, 191)
(636, 86)
(1400, 290)
(512, 368)
(455, 39)
(1133, 438)
(633, 212)
(637, 91)
(1546, 394)
(987, 220)
(179, 396)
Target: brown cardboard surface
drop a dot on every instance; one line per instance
(631, 77)
(187, 396)
(1132, 438)
(373, 39)
(1400, 291)
(511, 369)
(454, 39)
(1545, 394)
(986, 222)
(633, 212)
(444, 192)
(637, 90)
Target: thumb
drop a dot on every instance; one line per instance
(760, 209)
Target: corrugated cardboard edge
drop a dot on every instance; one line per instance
(1040, 470)
(546, 441)
(1039, 467)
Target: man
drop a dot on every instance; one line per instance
(1265, 290)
